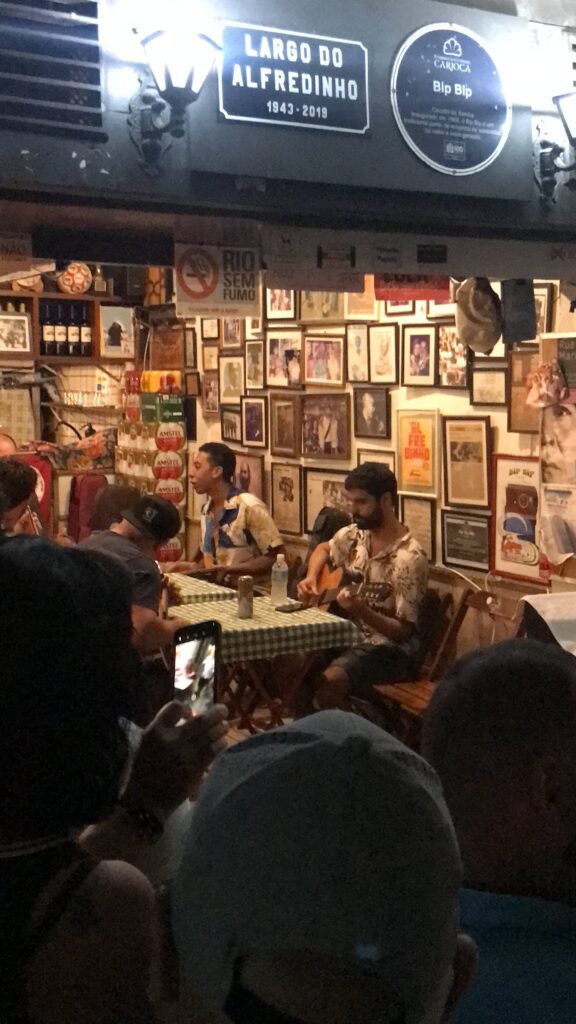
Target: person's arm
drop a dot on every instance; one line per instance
(397, 630)
(257, 566)
(308, 587)
(150, 632)
(167, 769)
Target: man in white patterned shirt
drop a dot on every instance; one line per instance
(379, 549)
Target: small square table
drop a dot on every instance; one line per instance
(197, 591)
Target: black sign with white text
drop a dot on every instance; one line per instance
(271, 76)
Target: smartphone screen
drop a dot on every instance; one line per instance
(196, 666)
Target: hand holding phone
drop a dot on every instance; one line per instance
(197, 664)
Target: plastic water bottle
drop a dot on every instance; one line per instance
(279, 589)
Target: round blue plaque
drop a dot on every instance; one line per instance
(449, 100)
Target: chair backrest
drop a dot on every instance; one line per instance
(434, 620)
(498, 608)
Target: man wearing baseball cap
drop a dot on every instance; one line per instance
(319, 882)
(147, 523)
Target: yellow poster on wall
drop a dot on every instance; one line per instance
(417, 451)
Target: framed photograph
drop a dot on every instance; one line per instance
(440, 310)
(190, 350)
(231, 379)
(488, 384)
(255, 421)
(253, 327)
(361, 305)
(323, 488)
(287, 497)
(321, 307)
(515, 506)
(543, 298)
(385, 458)
(210, 357)
(166, 348)
(393, 309)
(285, 435)
(249, 476)
(372, 412)
(231, 424)
(383, 348)
(16, 335)
(326, 426)
(466, 539)
(452, 358)
(117, 333)
(254, 356)
(210, 398)
(419, 356)
(232, 333)
(523, 366)
(357, 353)
(417, 450)
(466, 442)
(284, 359)
(324, 361)
(280, 304)
(192, 383)
(419, 515)
(210, 330)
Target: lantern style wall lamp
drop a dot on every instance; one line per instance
(548, 162)
(179, 63)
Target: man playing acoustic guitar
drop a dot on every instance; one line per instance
(380, 549)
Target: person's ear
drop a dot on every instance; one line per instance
(464, 968)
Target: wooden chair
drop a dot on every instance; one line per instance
(401, 705)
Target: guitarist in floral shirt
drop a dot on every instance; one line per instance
(377, 548)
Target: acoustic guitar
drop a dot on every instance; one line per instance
(332, 581)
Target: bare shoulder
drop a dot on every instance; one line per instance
(115, 890)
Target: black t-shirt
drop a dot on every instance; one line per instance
(146, 576)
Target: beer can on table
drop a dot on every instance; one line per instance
(245, 597)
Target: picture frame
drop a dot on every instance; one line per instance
(253, 327)
(231, 370)
(515, 507)
(117, 333)
(190, 347)
(543, 297)
(453, 358)
(393, 309)
(383, 353)
(384, 457)
(321, 307)
(286, 497)
(357, 358)
(324, 361)
(466, 539)
(372, 412)
(254, 421)
(249, 476)
(326, 426)
(16, 336)
(210, 393)
(192, 383)
(440, 310)
(323, 487)
(466, 447)
(254, 359)
(419, 355)
(361, 305)
(285, 425)
(166, 346)
(231, 424)
(488, 385)
(417, 450)
(210, 355)
(232, 333)
(522, 364)
(280, 304)
(209, 329)
(284, 359)
(419, 515)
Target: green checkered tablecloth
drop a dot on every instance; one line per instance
(194, 591)
(270, 632)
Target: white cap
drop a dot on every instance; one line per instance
(326, 836)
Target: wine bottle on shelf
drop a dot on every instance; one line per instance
(48, 341)
(85, 332)
(73, 332)
(60, 333)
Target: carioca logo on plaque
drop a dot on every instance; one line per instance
(449, 99)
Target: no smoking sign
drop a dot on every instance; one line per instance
(197, 273)
(217, 281)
